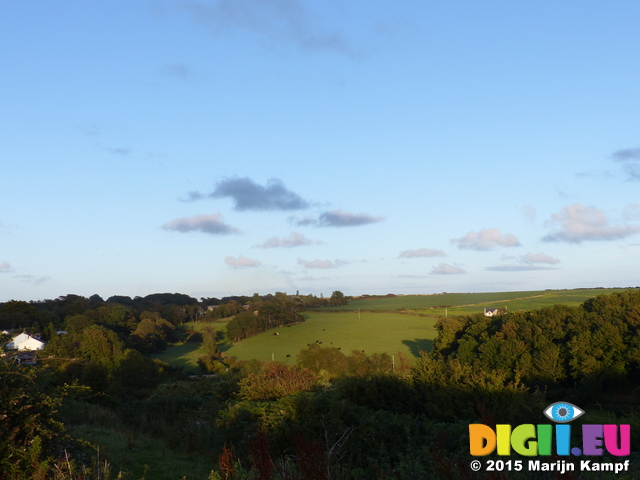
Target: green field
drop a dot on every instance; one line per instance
(186, 354)
(404, 323)
(469, 303)
(375, 332)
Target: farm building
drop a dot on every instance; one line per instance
(494, 312)
(25, 342)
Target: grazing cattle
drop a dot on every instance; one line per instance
(275, 334)
(339, 348)
(287, 355)
(319, 343)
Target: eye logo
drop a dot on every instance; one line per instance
(563, 412)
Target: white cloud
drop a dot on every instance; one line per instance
(293, 240)
(241, 262)
(211, 224)
(531, 258)
(422, 252)
(446, 269)
(577, 223)
(486, 239)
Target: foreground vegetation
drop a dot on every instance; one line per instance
(95, 406)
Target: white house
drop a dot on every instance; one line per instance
(25, 342)
(493, 312)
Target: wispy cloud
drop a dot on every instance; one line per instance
(630, 159)
(529, 212)
(194, 196)
(446, 269)
(338, 218)
(122, 151)
(577, 223)
(177, 70)
(248, 195)
(626, 154)
(6, 267)
(304, 221)
(284, 22)
(32, 279)
(211, 224)
(293, 240)
(486, 239)
(335, 218)
(422, 252)
(241, 262)
(516, 268)
(526, 263)
(631, 211)
(322, 264)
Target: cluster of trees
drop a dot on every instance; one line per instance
(276, 312)
(596, 344)
(272, 311)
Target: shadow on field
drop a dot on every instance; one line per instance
(418, 345)
(182, 355)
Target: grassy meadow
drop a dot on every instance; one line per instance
(374, 332)
(470, 303)
(403, 323)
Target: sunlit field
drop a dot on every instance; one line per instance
(390, 324)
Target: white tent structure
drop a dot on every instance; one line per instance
(25, 342)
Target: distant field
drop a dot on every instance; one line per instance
(468, 303)
(397, 324)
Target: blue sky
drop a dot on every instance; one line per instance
(237, 146)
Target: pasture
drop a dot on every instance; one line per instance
(403, 323)
(375, 332)
(470, 303)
